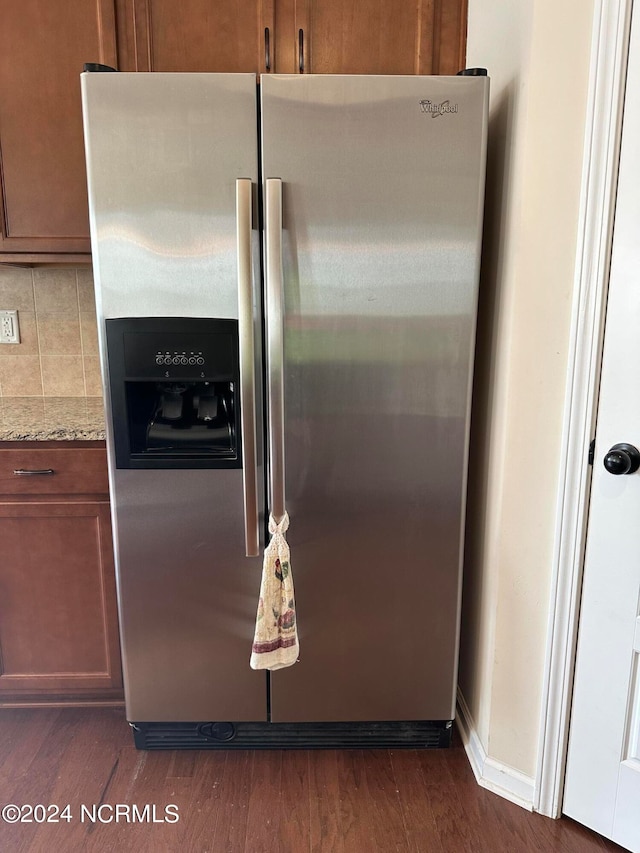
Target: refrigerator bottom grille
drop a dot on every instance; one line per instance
(411, 735)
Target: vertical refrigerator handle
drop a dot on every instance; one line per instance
(275, 343)
(244, 218)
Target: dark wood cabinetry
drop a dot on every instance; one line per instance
(379, 36)
(58, 622)
(43, 46)
(196, 35)
(294, 36)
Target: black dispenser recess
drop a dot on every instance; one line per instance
(174, 392)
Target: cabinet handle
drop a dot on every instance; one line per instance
(267, 49)
(26, 472)
(301, 51)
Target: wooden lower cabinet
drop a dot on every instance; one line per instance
(58, 621)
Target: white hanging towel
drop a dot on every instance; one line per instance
(275, 643)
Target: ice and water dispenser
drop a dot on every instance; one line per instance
(174, 392)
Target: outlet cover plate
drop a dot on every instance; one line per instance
(9, 329)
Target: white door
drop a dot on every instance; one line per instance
(602, 786)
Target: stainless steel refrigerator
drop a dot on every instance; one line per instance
(291, 268)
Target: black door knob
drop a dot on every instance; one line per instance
(622, 459)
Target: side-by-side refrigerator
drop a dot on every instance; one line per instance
(286, 275)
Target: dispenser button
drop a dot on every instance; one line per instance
(192, 360)
(199, 360)
(183, 359)
(159, 359)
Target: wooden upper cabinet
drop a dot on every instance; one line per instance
(43, 46)
(376, 36)
(196, 35)
(290, 36)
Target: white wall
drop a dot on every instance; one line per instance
(538, 57)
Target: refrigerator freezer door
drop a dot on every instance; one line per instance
(163, 155)
(383, 182)
(164, 152)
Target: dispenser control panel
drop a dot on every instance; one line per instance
(175, 355)
(185, 357)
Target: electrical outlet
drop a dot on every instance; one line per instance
(9, 328)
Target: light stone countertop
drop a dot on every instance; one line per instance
(51, 419)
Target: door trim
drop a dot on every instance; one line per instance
(609, 48)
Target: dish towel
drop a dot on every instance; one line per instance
(275, 643)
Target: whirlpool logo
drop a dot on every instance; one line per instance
(436, 110)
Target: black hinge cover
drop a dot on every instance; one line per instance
(472, 72)
(96, 66)
(592, 451)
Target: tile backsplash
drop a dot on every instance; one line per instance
(58, 351)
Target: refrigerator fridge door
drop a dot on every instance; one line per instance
(382, 192)
(171, 159)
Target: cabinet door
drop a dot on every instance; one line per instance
(378, 36)
(58, 622)
(43, 46)
(196, 35)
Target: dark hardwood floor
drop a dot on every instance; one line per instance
(350, 801)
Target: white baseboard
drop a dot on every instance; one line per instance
(491, 774)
